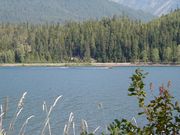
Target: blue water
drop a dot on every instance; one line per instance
(83, 88)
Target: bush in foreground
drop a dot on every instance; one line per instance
(162, 114)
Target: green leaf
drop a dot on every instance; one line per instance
(131, 89)
(132, 94)
(141, 113)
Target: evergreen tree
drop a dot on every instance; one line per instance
(144, 56)
(19, 53)
(178, 54)
(155, 55)
(168, 54)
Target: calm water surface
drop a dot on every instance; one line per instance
(83, 88)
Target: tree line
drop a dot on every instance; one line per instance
(116, 39)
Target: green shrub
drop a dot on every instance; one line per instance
(162, 114)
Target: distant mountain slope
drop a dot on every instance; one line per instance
(156, 7)
(61, 10)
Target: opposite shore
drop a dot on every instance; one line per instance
(82, 64)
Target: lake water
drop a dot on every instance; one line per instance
(83, 89)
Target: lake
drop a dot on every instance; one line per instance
(84, 89)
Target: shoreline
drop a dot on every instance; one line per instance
(87, 64)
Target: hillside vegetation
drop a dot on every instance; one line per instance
(108, 40)
(42, 11)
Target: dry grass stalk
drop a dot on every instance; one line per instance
(5, 105)
(96, 129)
(48, 114)
(65, 129)
(18, 111)
(68, 125)
(1, 120)
(84, 126)
(12, 123)
(46, 110)
(151, 86)
(21, 101)
(74, 132)
(23, 128)
(169, 84)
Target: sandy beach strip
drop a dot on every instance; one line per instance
(83, 64)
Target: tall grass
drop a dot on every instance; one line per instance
(69, 128)
(46, 122)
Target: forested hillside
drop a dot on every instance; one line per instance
(42, 11)
(108, 40)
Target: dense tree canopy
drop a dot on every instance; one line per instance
(108, 40)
